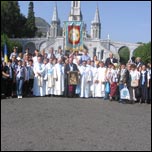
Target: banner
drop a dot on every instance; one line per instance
(5, 53)
(73, 36)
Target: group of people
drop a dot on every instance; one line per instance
(49, 75)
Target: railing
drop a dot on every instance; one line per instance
(28, 39)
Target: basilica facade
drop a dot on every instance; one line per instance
(93, 42)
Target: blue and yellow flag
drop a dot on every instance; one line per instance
(74, 35)
(5, 53)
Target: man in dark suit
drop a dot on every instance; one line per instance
(110, 60)
(68, 68)
(10, 80)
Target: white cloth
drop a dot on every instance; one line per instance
(39, 88)
(111, 75)
(13, 54)
(100, 88)
(86, 77)
(20, 72)
(59, 76)
(135, 75)
(50, 81)
(35, 60)
(93, 87)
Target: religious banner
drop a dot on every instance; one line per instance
(73, 36)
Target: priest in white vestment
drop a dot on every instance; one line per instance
(50, 81)
(93, 86)
(100, 88)
(39, 68)
(59, 78)
(45, 62)
(86, 77)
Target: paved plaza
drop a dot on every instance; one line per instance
(68, 124)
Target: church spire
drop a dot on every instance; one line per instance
(55, 29)
(96, 25)
(97, 16)
(55, 14)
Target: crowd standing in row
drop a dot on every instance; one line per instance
(45, 74)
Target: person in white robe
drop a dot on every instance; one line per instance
(45, 61)
(94, 84)
(39, 68)
(59, 78)
(50, 81)
(35, 58)
(86, 78)
(100, 88)
(90, 68)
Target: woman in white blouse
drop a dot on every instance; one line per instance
(134, 77)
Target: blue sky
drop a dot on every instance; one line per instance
(125, 21)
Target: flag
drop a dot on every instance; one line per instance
(74, 35)
(5, 53)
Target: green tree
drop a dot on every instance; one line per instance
(144, 51)
(30, 23)
(12, 21)
(10, 44)
(21, 32)
(5, 39)
(39, 34)
(124, 54)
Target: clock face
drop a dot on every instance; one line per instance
(74, 35)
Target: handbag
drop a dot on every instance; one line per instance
(124, 94)
(134, 83)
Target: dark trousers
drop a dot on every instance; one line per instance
(25, 88)
(14, 88)
(4, 86)
(65, 87)
(149, 93)
(30, 86)
(144, 93)
(9, 87)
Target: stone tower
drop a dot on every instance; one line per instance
(96, 26)
(55, 29)
(75, 13)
